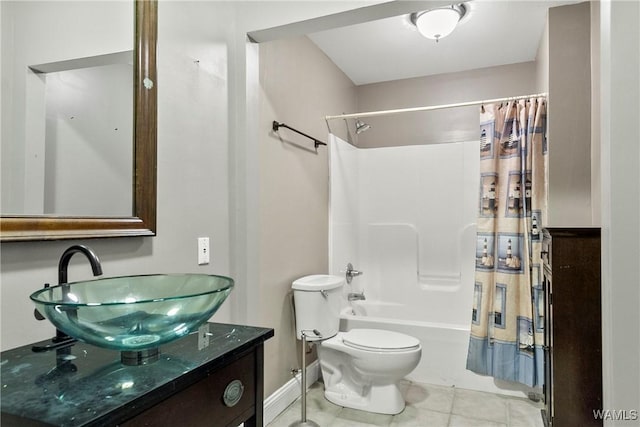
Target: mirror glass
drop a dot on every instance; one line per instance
(78, 119)
(88, 144)
(67, 143)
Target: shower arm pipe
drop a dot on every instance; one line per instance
(276, 125)
(430, 108)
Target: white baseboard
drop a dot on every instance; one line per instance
(277, 402)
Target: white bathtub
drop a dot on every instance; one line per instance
(444, 347)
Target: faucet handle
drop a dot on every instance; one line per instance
(351, 273)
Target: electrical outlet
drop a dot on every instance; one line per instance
(203, 250)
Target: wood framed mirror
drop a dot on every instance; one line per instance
(142, 222)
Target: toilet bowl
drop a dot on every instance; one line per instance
(361, 368)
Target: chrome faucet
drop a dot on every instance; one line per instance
(351, 273)
(355, 296)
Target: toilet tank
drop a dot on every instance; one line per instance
(317, 301)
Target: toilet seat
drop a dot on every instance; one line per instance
(379, 340)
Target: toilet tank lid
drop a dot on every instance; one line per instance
(318, 282)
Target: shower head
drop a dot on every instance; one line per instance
(361, 126)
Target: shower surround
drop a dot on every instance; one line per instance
(406, 217)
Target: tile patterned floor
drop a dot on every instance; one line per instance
(427, 406)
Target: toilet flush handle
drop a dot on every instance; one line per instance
(314, 331)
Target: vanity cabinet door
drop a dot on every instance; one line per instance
(547, 413)
(573, 334)
(226, 397)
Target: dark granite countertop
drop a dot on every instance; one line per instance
(90, 386)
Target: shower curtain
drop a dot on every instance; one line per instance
(508, 302)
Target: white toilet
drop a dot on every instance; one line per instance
(361, 368)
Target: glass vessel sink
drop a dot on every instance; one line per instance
(133, 313)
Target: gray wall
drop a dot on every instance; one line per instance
(299, 86)
(569, 115)
(596, 156)
(542, 60)
(620, 156)
(440, 126)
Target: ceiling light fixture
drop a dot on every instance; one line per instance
(438, 23)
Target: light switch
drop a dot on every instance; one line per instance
(203, 250)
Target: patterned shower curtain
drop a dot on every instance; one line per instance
(508, 302)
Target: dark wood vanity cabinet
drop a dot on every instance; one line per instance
(573, 327)
(207, 402)
(214, 380)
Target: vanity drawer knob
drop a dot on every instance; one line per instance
(233, 393)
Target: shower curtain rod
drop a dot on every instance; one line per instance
(429, 108)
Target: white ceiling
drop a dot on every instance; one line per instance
(492, 33)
